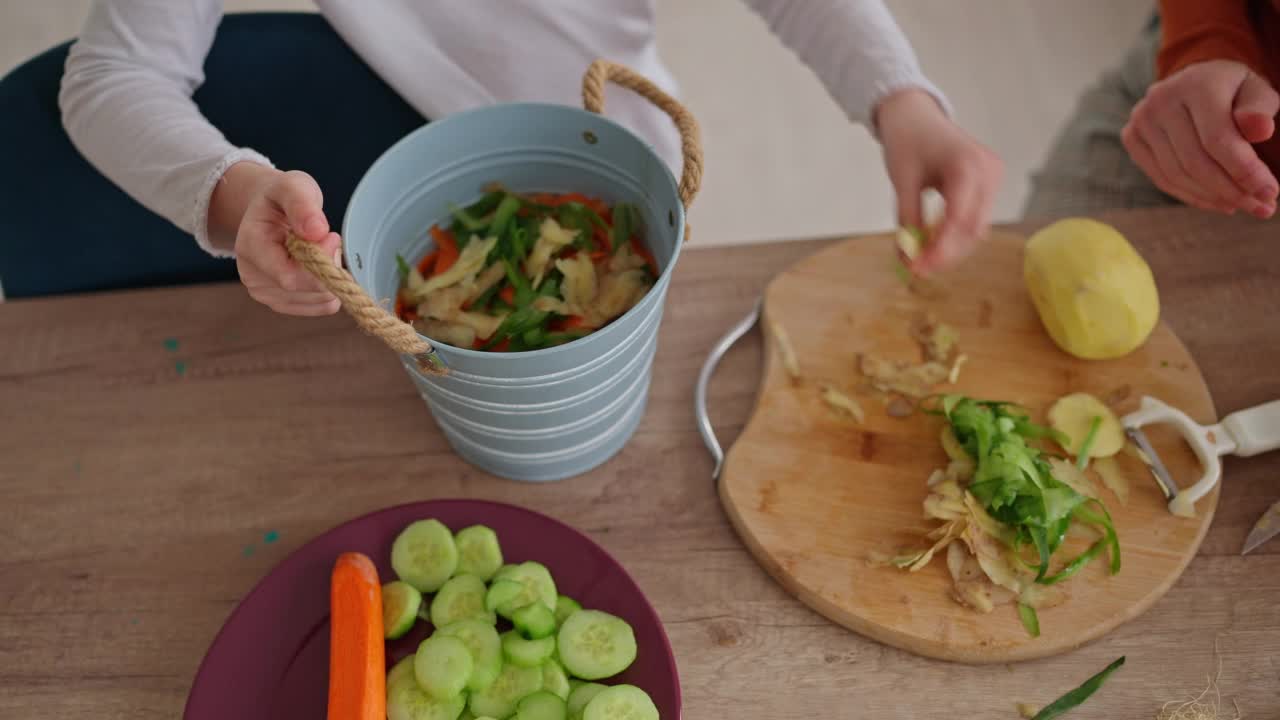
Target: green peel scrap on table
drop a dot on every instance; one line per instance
(1077, 696)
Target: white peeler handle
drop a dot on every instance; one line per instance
(1255, 430)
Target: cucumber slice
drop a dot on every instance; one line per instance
(424, 555)
(526, 653)
(410, 702)
(499, 699)
(565, 606)
(534, 621)
(461, 598)
(443, 665)
(466, 714)
(574, 683)
(537, 585)
(400, 603)
(594, 644)
(541, 705)
(401, 672)
(581, 696)
(485, 646)
(479, 553)
(407, 701)
(505, 571)
(621, 702)
(500, 593)
(555, 679)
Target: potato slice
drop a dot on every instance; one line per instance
(1073, 415)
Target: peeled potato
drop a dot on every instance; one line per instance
(1094, 293)
(1073, 415)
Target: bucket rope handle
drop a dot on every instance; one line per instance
(369, 315)
(399, 335)
(602, 71)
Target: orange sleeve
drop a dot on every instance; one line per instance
(1193, 31)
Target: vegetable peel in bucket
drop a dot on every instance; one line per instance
(528, 271)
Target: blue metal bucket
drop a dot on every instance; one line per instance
(552, 413)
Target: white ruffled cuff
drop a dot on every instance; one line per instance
(200, 224)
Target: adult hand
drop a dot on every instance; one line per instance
(924, 149)
(1192, 134)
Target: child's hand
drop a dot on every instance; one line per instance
(923, 149)
(279, 202)
(1192, 134)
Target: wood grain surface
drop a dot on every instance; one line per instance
(814, 494)
(139, 502)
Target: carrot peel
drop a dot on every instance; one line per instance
(446, 249)
(424, 265)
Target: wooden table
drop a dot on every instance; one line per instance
(160, 451)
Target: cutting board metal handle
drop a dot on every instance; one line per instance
(704, 379)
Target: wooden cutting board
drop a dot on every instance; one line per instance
(812, 494)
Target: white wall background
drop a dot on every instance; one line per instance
(783, 162)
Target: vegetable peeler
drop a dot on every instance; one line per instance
(1244, 433)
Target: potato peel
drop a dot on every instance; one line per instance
(914, 381)
(938, 341)
(843, 404)
(953, 377)
(786, 350)
(1113, 478)
(1068, 473)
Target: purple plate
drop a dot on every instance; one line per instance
(271, 659)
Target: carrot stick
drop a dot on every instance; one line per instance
(447, 248)
(508, 295)
(424, 265)
(357, 664)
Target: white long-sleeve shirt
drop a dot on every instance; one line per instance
(126, 94)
